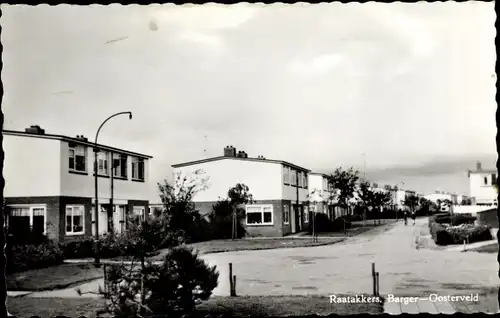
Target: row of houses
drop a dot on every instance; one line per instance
(49, 184)
(286, 195)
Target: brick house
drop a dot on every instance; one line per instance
(49, 184)
(279, 189)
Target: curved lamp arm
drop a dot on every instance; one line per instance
(117, 114)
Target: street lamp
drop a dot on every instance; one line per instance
(96, 209)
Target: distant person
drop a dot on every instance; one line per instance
(405, 217)
(413, 216)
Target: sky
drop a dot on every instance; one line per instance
(404, 92)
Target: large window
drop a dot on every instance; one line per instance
(286, 175)
(102, 163)
(293, 175)
(120, 165)
(26, 219)
(138, 169)
(75, 215)
(77, 158)
(139, 213)
(286, 214)
(259, 214)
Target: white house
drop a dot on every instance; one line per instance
(279, 188)
(482, 186)
(320, 194)
(49, 184)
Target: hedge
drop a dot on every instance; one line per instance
(456, 234)
(322, 224)
(24, 257)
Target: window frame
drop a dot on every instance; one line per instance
(73, 148)
(261, 207)
(137, 160)
(122, 163)
(31, 216)
(72, 206)
(103, 156)
(286, 214)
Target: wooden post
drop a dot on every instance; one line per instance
(231, 287)
(378, 284)
(374, 280)
(105, 278)
(234, 285)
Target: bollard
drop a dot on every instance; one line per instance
(374, 280)
(234, 286)
(231, 287)
(378, 284)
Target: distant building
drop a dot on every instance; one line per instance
(320, 194)
(280, 190)
(483, 186)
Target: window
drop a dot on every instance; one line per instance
(138, 169)
(493, 179)
(77, 158)
(485, 180)
(74, 219)
(286, 214)
(304, 179)
(300, 179)
(27, 219)
(293, 175)
(286, 175)
(306, 213)
(119, 165)
(259, 214)
(139, 213)
(102, 163)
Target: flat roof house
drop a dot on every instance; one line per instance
(279, 188)
(320, 194)
(482, 186)
(49, 184)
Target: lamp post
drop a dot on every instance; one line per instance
(96, 204)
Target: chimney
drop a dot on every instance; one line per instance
(82, 138)
(261, 157)
(242, 154)
(229, 151)
(35, 129)
(478, 166)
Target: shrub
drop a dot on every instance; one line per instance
(172, 288)
(439, 234)
(471, 232)
(221, 221)
(24, 257)
(79, 248)
(462, 219)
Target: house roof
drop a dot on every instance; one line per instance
(319, 174)
(483, 171)
(191, 163)
(73, 139)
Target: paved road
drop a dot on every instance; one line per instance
(346, 268)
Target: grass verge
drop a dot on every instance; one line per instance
(51, 278)
(491, 248)
(217, 306)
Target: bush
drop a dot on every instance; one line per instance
(439, 234)
(459, 219)
(471, 232)
(24, 257)
(221, 221)
(79, 248)
(172, 288)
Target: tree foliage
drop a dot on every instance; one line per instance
(411, 201)
(344, 184)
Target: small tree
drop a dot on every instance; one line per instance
(411, 201)
(179, 210)
(344, 184)
(238, 196)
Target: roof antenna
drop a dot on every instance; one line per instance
(205, 148)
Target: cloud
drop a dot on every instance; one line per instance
(205, 17)
(319, 64)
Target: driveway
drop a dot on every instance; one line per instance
(345, 268)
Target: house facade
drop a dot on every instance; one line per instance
(482, 186)
(49, 185)
(320, 195)
(279, 188)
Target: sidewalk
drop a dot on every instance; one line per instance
(460, 248)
